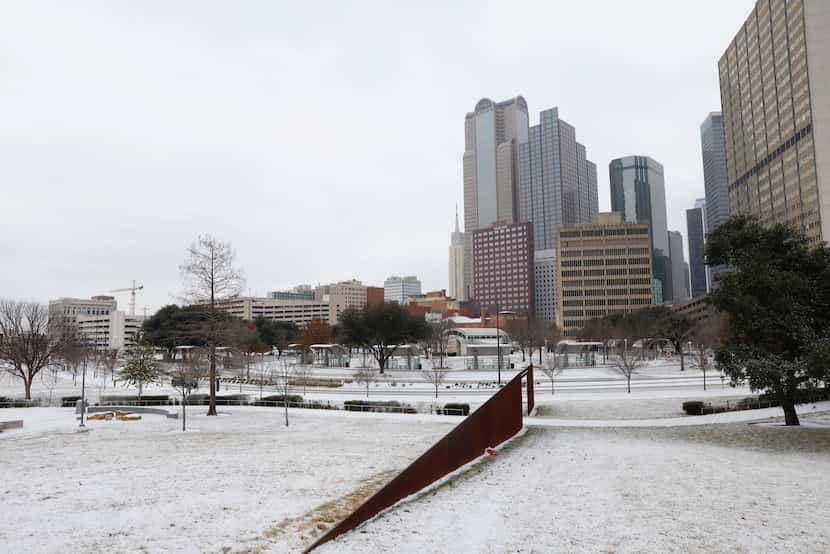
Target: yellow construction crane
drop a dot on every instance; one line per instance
(133, 289)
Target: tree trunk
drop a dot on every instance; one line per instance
(27, 383)
(790, 415)
(628, 378)
(682, 361)
(212, 400)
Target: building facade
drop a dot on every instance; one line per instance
(111, 331)
(300, 292)
(602, 268)
(374, 295)
(544, 275)
(492, 133)
(638, 192)
(714, 171)
(557, 184)
(775, 100)
(341, 296)
(398, 289)
(456, 266)
(679, 286)
(503, 278)
(63, 312)
(696, 229)
(299, 312)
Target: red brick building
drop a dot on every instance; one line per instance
(374, 295)
(503, 268)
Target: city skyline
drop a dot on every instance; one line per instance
(144, 148)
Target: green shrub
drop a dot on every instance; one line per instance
(232, 400)
(456, 409)
(376, 406)
(279, 400)
(69, 401)
(18, 402)
(693, 407)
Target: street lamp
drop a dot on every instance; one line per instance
(498, 342)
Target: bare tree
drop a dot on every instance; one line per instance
(705, 337)
(285, 374)
(209, 274)
(186, 375)
(438, 341)
(519, 331)
(435, 376)
(626, 361)
(108, 359)
(550, 369)
(27, 344)
(365, 376)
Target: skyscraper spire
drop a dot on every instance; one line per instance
(456, 218)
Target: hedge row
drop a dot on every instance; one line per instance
(454, 409)
(17, 402)
(803, 396)
(391, 406)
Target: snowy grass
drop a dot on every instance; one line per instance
(732, 487)
(238, 482)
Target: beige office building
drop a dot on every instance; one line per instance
(111, 331)
(300, 312)
(602, 268)
(340, 296)
(775, 97)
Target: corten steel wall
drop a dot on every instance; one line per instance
(494, 422)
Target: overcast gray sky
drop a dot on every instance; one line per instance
(322, 139)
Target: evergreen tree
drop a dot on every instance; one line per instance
(777, 297)
(141, 366)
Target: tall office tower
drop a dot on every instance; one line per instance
(678, 270)
(398, 289)
(492, 133)
(603, 268)
(714, 171)
(544, 275)
(504, 268)
(638, 191)
(456, 269)
(557, 184)
(775, 99)
(687, 280)
(695, 229)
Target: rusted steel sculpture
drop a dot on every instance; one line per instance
(494, 422)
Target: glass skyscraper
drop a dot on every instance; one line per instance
(638, 192)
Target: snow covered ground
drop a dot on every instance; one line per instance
(718, 488)
(598, 470)
(236, 481)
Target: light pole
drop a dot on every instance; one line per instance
(498, 342)
(83, 387)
